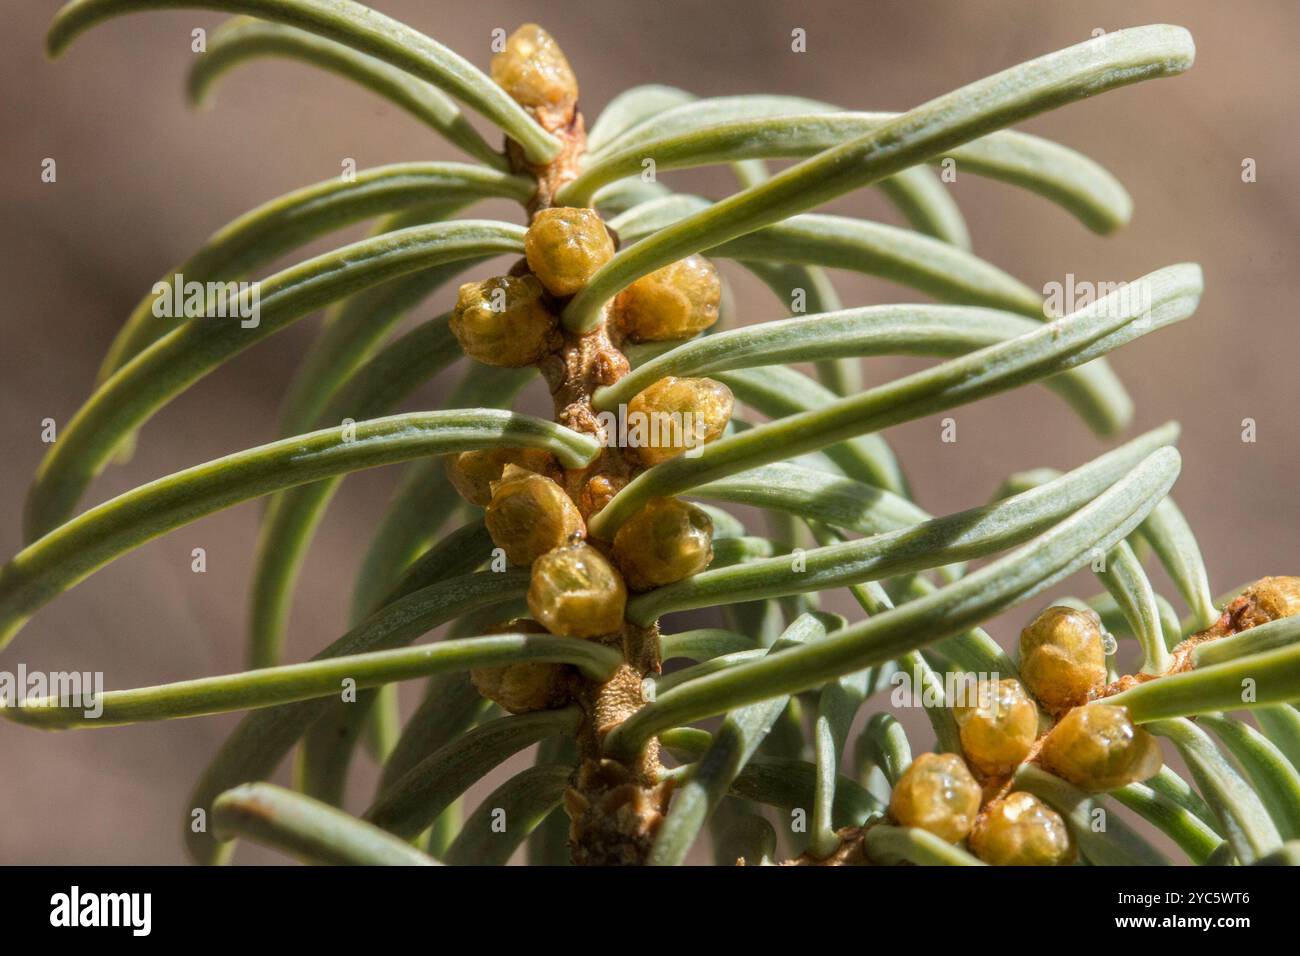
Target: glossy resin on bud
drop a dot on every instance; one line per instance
(675, 302)
(530, 514)
(937, 793)
(1098, 748)
(533, 70)
(1021, 830)
(676, 415)
(565, 245)
(472, 473)
(1269, 599)
(665, 541)
(575, 592)
(1062, 657)
(504, 321)
(999, 727)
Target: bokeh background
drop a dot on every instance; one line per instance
(142, 181)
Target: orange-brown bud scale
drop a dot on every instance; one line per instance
(1063, 658)
(999, 729)
(576, 592)
(504, 321)
(533, 70)
(1021, 830)
(565, 246)
(1268, 599)
(675, 415)
(524, 687)
(675, 302)
(1098, 748)
(937, 793)
(529, 515)
(472, 473)
(666, 541)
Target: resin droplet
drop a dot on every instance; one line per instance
(1098, 748)
(504, 321)
(675, 302)
(1062, 659)
(472, 473)
(1021, 830)
(565, 245)
(676, 415)
(937, 793)
(533, 70)
(529, 515)
(998, 727)
(574, 591)
(666, 541)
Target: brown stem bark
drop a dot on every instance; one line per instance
(615, 808)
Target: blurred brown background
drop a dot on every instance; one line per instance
(142, 181)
